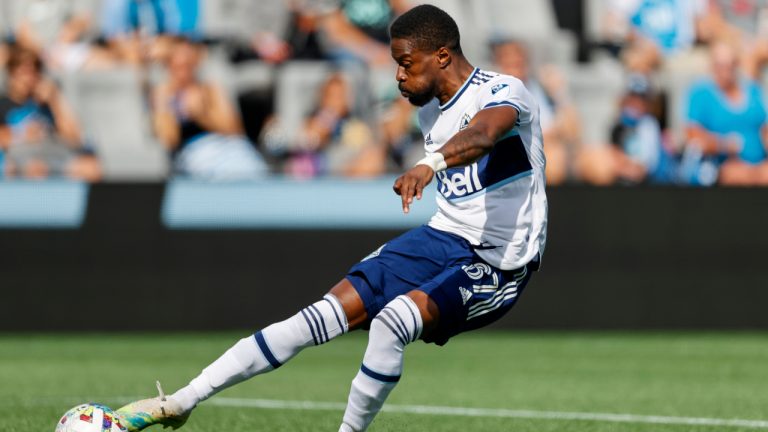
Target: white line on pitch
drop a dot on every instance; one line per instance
(491, 412)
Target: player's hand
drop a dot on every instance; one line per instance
(412, 183)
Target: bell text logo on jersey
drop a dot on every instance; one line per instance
(458, 182)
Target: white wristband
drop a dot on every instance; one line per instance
(435, 160)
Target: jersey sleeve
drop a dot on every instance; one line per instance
(507, 91)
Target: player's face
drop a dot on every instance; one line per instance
(416, 71)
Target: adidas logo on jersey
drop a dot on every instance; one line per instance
(428, 140)
(465, 295)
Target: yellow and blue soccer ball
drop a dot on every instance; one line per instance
(90, 417)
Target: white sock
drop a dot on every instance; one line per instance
(397, 325)
(266, 350)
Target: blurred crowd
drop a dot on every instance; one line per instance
(670, 91)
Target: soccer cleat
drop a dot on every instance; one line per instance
(141, 414)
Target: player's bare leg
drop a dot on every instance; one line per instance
(340, 311)
(402, 321)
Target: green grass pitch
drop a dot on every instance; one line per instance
(698, 375)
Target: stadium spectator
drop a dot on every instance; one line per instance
(654, 29)
(37, 128)
(744, 24)
(727, 121)
(358, 30)
(559, 119)
(402, 139)
(198, 124)
(333, 140)
(141, 31)
(62, 33)
(637, 152)
(4, 52)
(150, 17)
(284, 30)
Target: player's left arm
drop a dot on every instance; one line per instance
(468, 145)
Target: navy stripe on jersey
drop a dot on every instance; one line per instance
(506, 103)
(461, 91)
(379, 377)
(487, 74)
(482, 77)
(262, 343)
(508, 161)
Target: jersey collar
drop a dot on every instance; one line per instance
(460, 92)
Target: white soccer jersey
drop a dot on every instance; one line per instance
(498, 202)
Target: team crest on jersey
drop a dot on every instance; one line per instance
(497, 88)
(464, 122)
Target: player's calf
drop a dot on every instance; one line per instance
(398, 324)
(262, 352)
(267, 350)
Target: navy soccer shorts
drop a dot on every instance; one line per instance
(469, 292)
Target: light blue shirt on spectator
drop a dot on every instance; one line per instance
(179, 17)
(668, 23)
(709, 108)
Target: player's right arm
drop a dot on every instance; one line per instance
(467, 146)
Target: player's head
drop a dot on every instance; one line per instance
(424, 41)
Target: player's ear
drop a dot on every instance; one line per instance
(443, 57)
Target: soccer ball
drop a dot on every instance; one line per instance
(90, 417)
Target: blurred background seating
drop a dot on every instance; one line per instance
(277, 66)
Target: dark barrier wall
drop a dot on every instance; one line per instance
(616, 258)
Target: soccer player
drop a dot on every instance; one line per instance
(463, 270)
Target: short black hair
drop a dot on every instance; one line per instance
(428, 27)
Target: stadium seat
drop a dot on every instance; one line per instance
(241, 19)
(530, 21)
(114, 120)
(594, 14)
(677, 76)
(596, 89)
(298, 83)
(472, 40)
(5, 21)
(252, 75)
(297, 86)
(216, 68)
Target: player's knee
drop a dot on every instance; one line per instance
(400, 320)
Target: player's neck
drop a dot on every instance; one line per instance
(455, 77)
